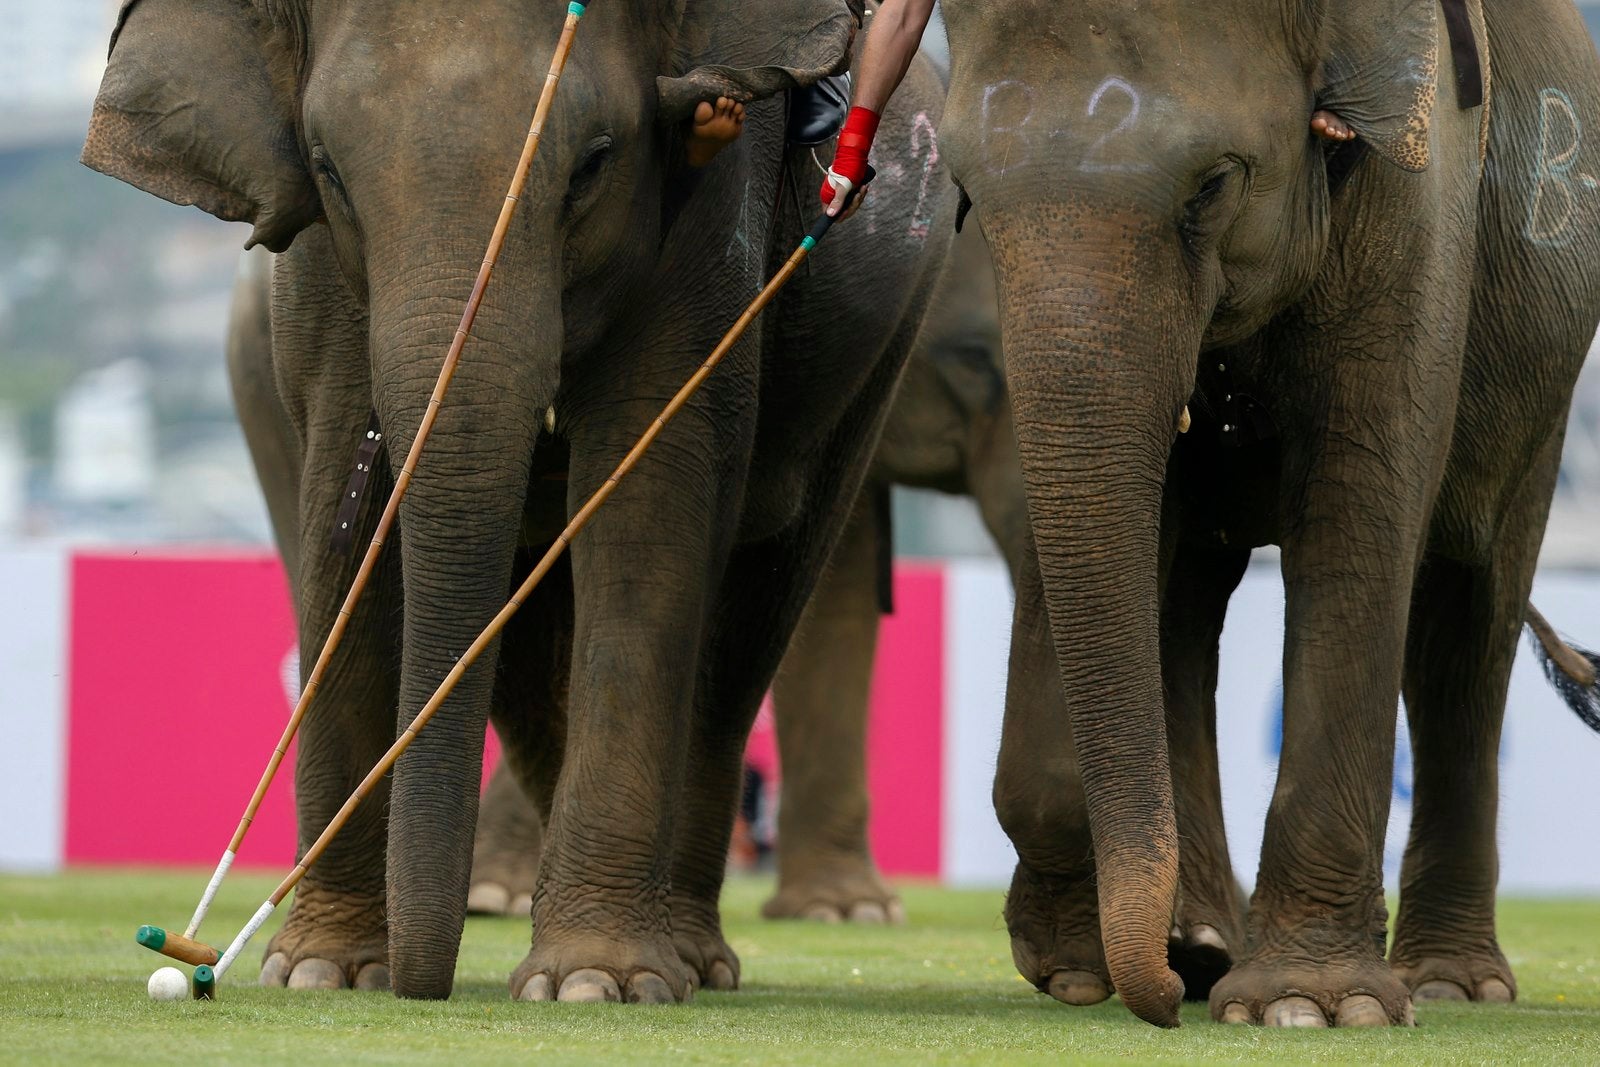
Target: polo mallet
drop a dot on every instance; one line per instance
(183, 947)
(562, 541)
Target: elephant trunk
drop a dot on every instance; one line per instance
(1100, 360)
(459, 528)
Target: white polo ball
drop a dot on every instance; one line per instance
(168, 983)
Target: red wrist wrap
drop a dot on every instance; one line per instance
(855, 142)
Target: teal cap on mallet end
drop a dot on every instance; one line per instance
(205, 983)
(151, 937)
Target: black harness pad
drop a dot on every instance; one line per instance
(1464, 50)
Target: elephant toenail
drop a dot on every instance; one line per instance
(275, 971)
(521, 905)
(1203, 936)
(648, 988)
(588, 986)
(1439, 989)
(374, 976)
(1078, 988)
(721, 977)
(316, 974)
(536, 989)
(1361, 1010)
(1294, 1012)
(487, 898)
(869, 913)
(1235, 1013)
(823, 913)
(1494, 991)
(896, 912)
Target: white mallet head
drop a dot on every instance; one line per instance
(168, 983)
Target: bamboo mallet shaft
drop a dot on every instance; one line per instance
(542, 568)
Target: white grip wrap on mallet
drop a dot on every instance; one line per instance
(210, 894)
(249, 931)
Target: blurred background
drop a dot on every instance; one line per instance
(130, 524)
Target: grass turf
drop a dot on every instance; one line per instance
(940, 990)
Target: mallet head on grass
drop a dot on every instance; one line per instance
(176, 946)
(204, 986)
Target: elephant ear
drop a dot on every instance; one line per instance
(197, 106)
(724, 49)
(1379, 72)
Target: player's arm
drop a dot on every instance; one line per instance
(892, 42)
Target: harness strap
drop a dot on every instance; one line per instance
(1464, 50)
(344, 520)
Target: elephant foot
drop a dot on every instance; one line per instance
(1200, 955)
(505, 861)
(1482, 978)
(597, 969)
(715, 127)
(331, 940)
(1302, 991)
(697, 934)
(1054, 924)
(1208, 932)
(834, 893)
(492, 898)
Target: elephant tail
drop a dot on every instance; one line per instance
(1573, 672)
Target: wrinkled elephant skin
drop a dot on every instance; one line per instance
(371, 144)
(1377, 346)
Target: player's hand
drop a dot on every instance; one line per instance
(835, 195)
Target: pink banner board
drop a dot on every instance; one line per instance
(183, 672)
(175, 703)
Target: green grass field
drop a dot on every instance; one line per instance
(941, 989)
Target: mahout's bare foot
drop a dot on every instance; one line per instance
(1330, 127)
(715, 127)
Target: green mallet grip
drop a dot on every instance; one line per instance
(204, 986)
(184, 949)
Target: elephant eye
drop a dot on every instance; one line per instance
(1210, 208)
(327, 176)
(587, 181)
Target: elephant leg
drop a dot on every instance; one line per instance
(644, 569)
(1363, 489)
(820, 696)
(761, 598)
(1465, 621)
(505, 851)
(336, 934)
(530, 716)
(1209, 926)
(1052, 910)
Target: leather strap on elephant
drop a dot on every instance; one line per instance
(344, 520)
(883, 537)
(1464, 52)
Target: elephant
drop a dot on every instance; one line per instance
(948, 429)
(369, 145)
(1372, 348)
